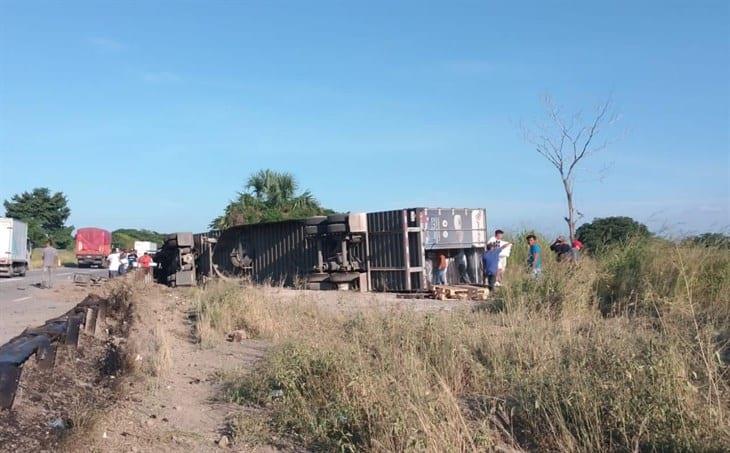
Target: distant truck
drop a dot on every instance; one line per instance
(142, 247)
(14, 249)
(93, 245)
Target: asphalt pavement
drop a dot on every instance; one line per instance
(23, 303)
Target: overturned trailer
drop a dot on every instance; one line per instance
(379, 251)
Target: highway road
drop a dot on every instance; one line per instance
(23, 303)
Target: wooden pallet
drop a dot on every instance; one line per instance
(461, 292)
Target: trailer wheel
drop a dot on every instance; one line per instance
(337, 228)
(23, 270)
(337, 218)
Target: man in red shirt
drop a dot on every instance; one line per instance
(145, 263)
(441, 265)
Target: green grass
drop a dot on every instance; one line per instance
(67, 257)
(627, 352)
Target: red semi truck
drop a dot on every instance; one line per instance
(93, 245)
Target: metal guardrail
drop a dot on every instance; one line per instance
(43, 341)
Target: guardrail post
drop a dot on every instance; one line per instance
(46, 356)
(90, 323)
(100, 317)
(9, 378)
(72, 330)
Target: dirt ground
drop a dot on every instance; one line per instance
(181, 409)
(176, 407)
(351, 302)
(170, 397)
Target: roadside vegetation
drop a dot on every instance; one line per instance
(124, 238)
(45, 213)
(67, 258)
(626, 352)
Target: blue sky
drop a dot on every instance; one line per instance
(153, 114)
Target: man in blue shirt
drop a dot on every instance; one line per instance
(490, 262)
(534, 256)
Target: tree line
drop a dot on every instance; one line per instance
(46, 213)
(272, 196)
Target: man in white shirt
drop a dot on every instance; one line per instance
(503, 254)
(114, 260)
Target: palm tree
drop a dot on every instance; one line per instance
(268, 196)
(272, 187)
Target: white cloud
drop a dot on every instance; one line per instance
(161, 77)
(104, 44)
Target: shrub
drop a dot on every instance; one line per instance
(608, 231)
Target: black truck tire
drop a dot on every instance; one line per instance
(315, 220)
(311, 230)
(337, 218)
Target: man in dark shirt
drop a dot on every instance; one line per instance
(562, 249)
(50, 260)
(490, 262)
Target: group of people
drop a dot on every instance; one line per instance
(494, 259)
(120, 261)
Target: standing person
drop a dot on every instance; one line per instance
(441, 265)
(122, 262)
(132, 259)
(114, 261)
(463, 268)
(50, 260)
(575, 250)
(534, 255)
(490, 261)
(503, 254)
(145, 263)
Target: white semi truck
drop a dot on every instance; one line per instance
(14, 250)
(145, 246)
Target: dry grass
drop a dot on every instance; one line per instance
(222, 308)
(626, 353)
(158, 359)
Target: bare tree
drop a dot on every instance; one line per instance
(566, 141)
